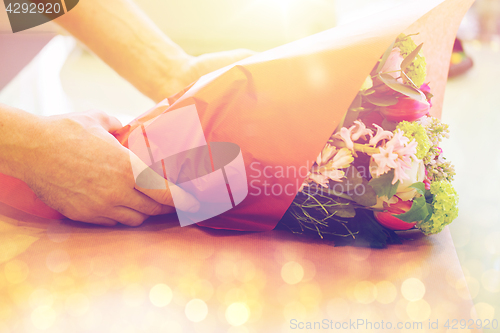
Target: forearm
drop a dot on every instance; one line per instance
(128, 41)
(19, 136)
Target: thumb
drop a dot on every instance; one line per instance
(109, 123)
(159, 189)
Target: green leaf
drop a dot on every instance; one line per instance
(356, 103)
(430, 210)
(358, 188)
(350, 118)
(380, 100)
(420, 187)
(383, 184)
(429, 197)
(401, 88)
(389, 125)
(386, 55)
(410, 57)
(418, 211)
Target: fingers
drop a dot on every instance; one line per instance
(183, 200)
(144, 204)
(127, 216)
(104, 221)
(157, 188)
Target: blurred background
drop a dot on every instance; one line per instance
(58, 75)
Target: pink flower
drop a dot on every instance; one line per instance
(393, 64)
(385, 160)
(397, 154)
(405, 109)
(381, 135)
(345, 135)
(354, 133)
(359, 130)
(398, 140)
(426, 90)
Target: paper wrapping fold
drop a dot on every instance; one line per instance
(282, 105)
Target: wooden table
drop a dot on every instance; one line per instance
(64, 276)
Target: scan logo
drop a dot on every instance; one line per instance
(26, 14)
(173, 145)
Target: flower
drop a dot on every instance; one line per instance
(335, 175)
(415, 174)
(326, 154)
(444, 207)
(319, 179)
(385, 160)
(405, 109)
(413, 130)
(392, 65)
(398, 140)
(342, 159)
(397, 154)
(359, 130)
(416, 70)
(381, 135)
(345, 135)
(427, 92)
(388, 220)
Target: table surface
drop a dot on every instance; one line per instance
(64, 276)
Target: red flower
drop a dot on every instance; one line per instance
(388, 220)
(405, 109)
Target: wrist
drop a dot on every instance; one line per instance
(20, 136)
(172, 76)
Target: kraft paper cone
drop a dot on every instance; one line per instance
(281, 106)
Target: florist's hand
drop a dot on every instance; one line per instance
(188, 69)
(210, 62)
(82, 171)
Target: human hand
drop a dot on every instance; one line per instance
(188, 69)
(82, 171)
(209, 62)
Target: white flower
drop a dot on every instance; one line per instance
(326, 154)
(381, 135)
(415, 174)
(342, 159)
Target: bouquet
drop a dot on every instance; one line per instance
(383, 169)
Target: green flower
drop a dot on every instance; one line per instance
(444, 208)
(413, 130)
(416, 71)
